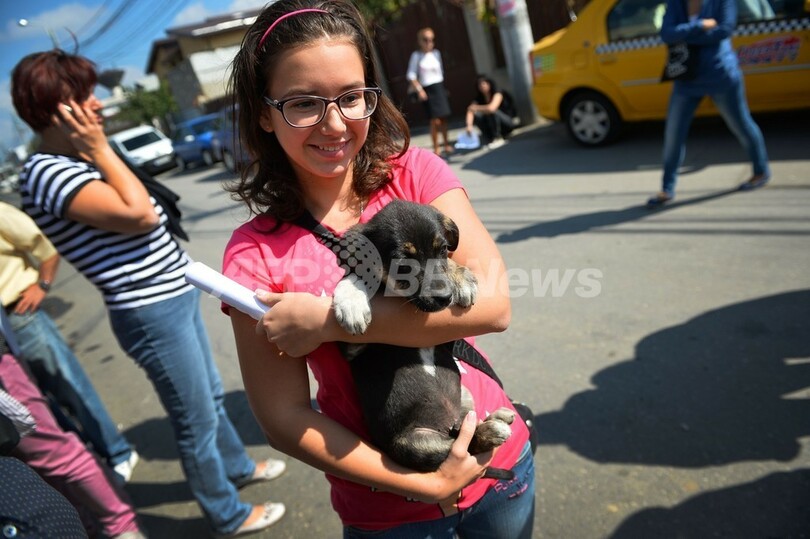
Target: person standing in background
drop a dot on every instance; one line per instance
(426, 77)
(707, 26)
(28, 264)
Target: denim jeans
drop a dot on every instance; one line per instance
(169, 341)
(505, 512)
(60, 375)
(733, 107)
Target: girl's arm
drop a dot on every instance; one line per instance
(121, 203)
(278, 391)
(298, 323)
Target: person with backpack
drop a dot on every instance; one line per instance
(492, 112)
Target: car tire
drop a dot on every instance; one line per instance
(180, 162)
(230, 162)
(207, 158)
(591, 119)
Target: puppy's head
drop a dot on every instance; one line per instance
(414, 241)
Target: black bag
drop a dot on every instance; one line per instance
(681, 62)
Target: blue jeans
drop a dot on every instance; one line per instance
(505, 512)
(60, 375)
(733, 107)
(169, 341)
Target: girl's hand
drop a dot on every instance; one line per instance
(296, 322)
(81, 128)
(460, 468)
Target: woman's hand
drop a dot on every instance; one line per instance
(708, 24)
(83, 131)
(29, 300)
(297, 323)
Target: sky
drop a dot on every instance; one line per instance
(112, 33)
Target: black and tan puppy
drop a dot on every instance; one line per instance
(412, 398)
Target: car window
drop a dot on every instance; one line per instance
(635, 18)
(204, 127)
(631, 19)
(141, 140)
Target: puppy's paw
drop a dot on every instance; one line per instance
(351, 305)
(503, 414)
(489, 434)
(465, 286)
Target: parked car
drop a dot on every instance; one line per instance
(225, 144)
(145, 147)
(605, 67)
(192, 141)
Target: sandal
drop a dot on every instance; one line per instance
(272, 513)
(266, 470)
(755, 183)
(659, 200)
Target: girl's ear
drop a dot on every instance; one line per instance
(266, 120)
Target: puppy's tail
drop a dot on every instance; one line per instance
(499, 473)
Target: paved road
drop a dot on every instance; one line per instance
(666, 354)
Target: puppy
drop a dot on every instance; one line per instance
(412, 398)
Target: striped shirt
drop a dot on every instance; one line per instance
(130, 270)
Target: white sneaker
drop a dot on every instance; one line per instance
(124, 469)
(497, 143)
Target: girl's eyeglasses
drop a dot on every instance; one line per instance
(309, 110)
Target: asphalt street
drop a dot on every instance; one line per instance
(665, 353)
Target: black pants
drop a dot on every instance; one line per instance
(492, 126)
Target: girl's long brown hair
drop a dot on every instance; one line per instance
(268, 184)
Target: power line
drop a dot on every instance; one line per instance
(121, 47)
(110, 22)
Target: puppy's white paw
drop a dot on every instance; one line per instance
(351, 305)
(466, 287)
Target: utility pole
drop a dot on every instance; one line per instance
(516, 36)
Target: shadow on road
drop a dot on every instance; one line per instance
(547, 149)
(774, 506)
(715, 390)
(728, 386)
(588, 221)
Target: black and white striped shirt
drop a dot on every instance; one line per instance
(130, 270)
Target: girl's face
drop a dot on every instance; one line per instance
(483, 86)
(327, 68)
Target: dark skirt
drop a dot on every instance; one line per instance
(437, 104)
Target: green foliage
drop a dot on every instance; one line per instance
(143, 106)
(381, 12)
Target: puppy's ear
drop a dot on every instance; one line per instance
(450, 232)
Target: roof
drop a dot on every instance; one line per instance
(216, 25)
(211, 26)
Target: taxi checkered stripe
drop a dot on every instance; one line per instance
(750, 29)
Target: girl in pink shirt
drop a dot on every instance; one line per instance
(327, 140)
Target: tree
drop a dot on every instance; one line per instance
(143, 107)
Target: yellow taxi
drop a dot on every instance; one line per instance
(605, 67)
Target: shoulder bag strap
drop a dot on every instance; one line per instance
(460, 348)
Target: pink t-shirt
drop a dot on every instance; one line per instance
(291, 259)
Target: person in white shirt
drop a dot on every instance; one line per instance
(426, 77)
